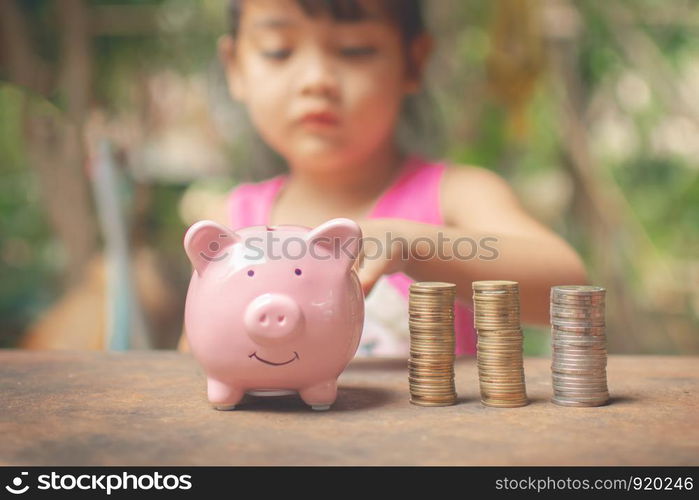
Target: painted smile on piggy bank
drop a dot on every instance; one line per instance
(254, 355)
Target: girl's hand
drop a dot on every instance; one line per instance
(384, 251)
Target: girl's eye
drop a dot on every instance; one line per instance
(251, 273)
(357, 51)
(277, 55)
(297, 271)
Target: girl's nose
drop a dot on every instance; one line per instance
(318, 76)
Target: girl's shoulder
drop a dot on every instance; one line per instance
(473, 177)
(255, 189)
(466, 176)
(248, 203)
(470, 191)
(460, 179)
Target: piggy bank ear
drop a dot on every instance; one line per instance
(207, 242)
(342, 237)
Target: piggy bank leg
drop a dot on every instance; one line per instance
(320, 396)
(223, 396)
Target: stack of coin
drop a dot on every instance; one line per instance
(579, 344)
(500, 339)
(431, 363)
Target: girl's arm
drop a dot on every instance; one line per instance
(483, 216)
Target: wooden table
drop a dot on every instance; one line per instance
(149, 408)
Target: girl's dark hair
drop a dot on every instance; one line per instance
(407, 14)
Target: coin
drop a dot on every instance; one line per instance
(575, 402)
(421, 402)
(498, 404)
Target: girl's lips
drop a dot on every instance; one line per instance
(328, 119)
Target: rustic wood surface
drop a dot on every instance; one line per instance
(149, 408)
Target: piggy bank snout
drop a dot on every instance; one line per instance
(271, 318)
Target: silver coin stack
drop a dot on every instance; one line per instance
(579, 345)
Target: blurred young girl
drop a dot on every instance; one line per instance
(323, 82)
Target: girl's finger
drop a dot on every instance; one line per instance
(368, 276)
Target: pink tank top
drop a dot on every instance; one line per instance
(414, 195)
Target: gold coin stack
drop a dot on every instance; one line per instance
(431, 363)
(579, 345)
(500, 343)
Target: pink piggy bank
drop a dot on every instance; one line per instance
(274, 310)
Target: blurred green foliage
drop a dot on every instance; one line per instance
(30, 262)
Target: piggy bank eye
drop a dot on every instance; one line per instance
(297, 271)
(251, 273)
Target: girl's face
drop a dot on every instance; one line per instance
(322, 93)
